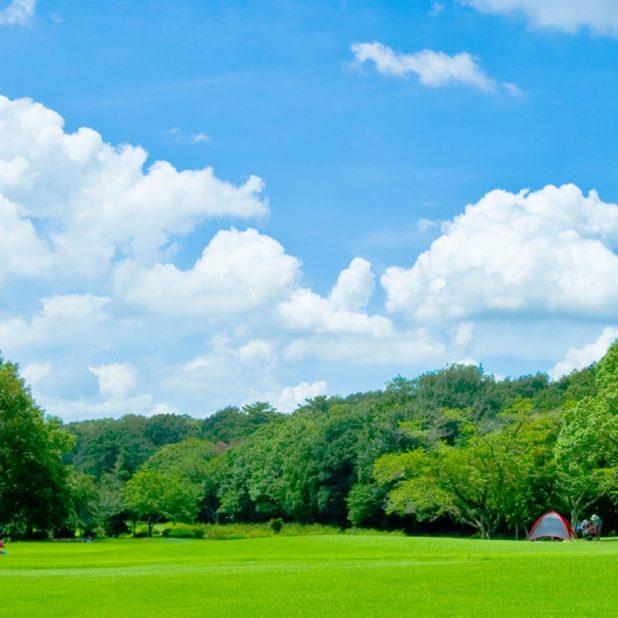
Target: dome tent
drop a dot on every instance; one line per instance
(551, 526)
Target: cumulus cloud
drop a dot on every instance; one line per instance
(547, 253)
(433, 69)
(75, 203)
(341, 312)
(22, 252)
(117, 380)
(601, 16)
(237, 272)
(354, 286)
(18, 13)
(308, 311)
(578, 358)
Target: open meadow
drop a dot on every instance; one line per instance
(322, 576)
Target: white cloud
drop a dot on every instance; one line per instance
(199, 138)
(601, 16)
(163, 408)
(308, 311)
(238, 272)
(228, 372)
(215, 366)
(239, 324)
(354, 286)
(116, 381)
(544, 253)
(73, 409)
(62, 320)
(22, 252)
(462, 335)
(18, 13)
(33, 373)
(433, 69)
(578, 358)
(193, 138)
(76, 204)
(290, 397)
(400, 348)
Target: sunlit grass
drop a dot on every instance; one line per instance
(310, 576)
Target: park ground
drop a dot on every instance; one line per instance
(321, 576)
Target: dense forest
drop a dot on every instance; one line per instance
(451, 451)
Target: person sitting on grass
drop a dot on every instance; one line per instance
(598, 524)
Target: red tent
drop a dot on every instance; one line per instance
(551, 526)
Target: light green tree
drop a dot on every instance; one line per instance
(586, 452)
(155, 496)
(487, 483)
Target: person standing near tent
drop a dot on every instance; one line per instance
(598, 524)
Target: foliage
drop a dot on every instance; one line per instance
(232, 425)
(586, 453)
(155, 496)
(485, 483)
(450, 448)
(120, 447)
(188, 458)
(85, 507)
(34, 490)
(184, 531)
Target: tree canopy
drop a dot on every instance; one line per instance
(450, 449)
(34, 490)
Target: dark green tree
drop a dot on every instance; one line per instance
(34, 493)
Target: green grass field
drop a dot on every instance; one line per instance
(310, 576)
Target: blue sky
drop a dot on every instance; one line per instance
(329, 248)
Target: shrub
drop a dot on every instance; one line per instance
(184, 531)
(276, 525)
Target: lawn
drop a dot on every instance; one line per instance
(309, 576)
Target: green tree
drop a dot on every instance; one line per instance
(155, 496)
(33, 478)
(232, 425)
(586, 452)
(112, 511)
(84, 503)
(489, 482)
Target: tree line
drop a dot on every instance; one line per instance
(453, 450)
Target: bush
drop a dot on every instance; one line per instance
(276, 525)
(228, 532)
(225, 532)
(183, 531)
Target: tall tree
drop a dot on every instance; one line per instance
(586, 453)
(33, 478)
(485, 484)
